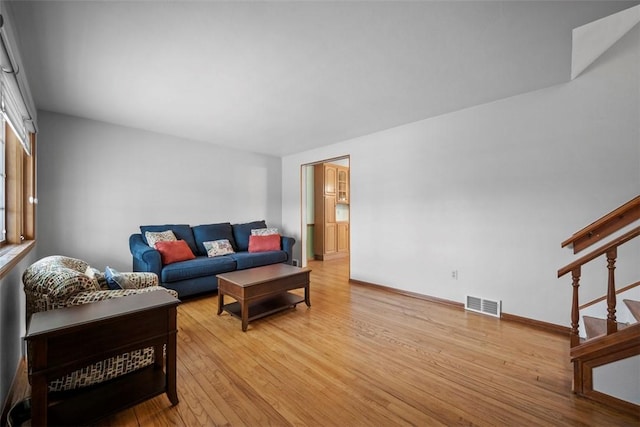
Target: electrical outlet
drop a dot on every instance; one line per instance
(454, 274)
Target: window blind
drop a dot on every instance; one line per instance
(13, 104)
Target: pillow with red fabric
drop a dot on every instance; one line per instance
(270, 242)
(174, 251)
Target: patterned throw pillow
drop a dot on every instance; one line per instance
(264, 231)
(97, 275)
(218, 247)
(154, 237)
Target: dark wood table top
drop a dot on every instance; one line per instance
(257, 275)
(69, 318)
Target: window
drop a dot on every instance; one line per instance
(29, 199)
(3, 230)
(18, 187)
(17, 155)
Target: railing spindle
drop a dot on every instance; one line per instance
(612, 324)
(575, 310)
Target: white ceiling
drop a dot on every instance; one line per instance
(284, 77)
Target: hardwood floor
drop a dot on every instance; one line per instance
(361, 356)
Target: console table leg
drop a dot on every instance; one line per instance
(39, 400)
(307, 300)
(171, 367)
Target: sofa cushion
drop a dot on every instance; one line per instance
(241, 233)
(175, 251)
(198, 267)
(210, 233)
(270, 242)
(181, 231)
(258, 259)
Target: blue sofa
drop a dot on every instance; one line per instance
(198, 275)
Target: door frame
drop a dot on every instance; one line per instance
(304, 202)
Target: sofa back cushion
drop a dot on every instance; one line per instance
(241, 233)
(181, 231)
(212, 232)
(257, 259)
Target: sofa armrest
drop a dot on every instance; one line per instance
(141, 280)
(287, 246)
(145, 258)
(94, 296)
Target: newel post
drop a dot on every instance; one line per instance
(575, 310)
(612, 324)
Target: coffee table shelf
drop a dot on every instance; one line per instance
(261, 291)
(265, 307)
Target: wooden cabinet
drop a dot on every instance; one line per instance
(331, 238)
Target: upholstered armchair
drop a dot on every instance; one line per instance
(58, 281)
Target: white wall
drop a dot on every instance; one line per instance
(99, 182)
(12, 297)
(12, 323)
(619, 379)
(491, 191)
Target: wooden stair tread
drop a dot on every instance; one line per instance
(587, 345)
(634, 307)
(595, 327)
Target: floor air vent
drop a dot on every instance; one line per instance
(484, 306)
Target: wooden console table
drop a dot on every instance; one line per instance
(67, 339)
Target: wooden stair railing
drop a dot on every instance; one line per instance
(618, 292)
(611, 252)
(605, 226)
(612, 345)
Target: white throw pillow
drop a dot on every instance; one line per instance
(218, 248)
(154, 237)
(264, 231)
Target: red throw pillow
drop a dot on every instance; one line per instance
(264, 243)
(174, 251)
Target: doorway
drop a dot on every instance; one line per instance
(326, 200)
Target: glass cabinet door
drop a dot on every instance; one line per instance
(343, 185)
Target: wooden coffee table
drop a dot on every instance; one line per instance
(262, 291)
